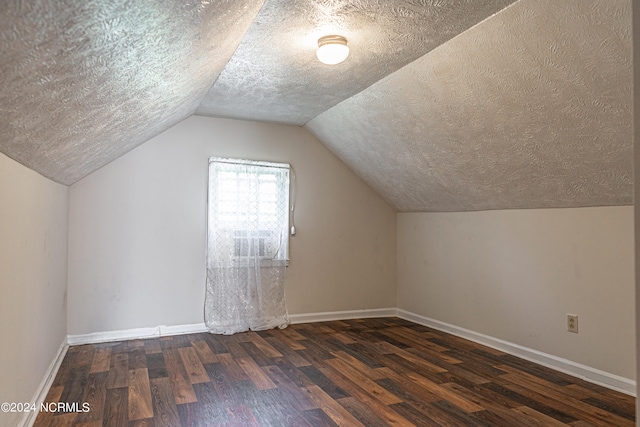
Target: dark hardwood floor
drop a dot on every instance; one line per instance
(373, 372)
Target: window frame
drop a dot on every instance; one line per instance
(240, 259)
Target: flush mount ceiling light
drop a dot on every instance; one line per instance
(332, 49)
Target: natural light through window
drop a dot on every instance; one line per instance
(248, 245)
(248, 208)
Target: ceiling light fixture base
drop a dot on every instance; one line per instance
(332, 49)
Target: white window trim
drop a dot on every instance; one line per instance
(264, 262)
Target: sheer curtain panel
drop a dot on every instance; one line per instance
(247, 245)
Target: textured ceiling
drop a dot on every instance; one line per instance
(443, 105)
(530, 109)
(275, 76)
(83, 82)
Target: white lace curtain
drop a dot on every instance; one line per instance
(248, 243)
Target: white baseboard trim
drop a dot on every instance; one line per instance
(342, 315)
(132, 334)
(162, 331)
(587, 373)
(29, 418)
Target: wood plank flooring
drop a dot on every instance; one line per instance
(373, 372)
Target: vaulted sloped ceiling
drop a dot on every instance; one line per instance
(274, 75)
(530, 109)
(84, 82)
(443, 105)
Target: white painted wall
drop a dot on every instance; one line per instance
(137, 229)
(515, 274)
(33, 280)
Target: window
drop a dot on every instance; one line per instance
(248, 210)
(247, 246)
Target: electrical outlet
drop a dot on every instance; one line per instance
(572, 323)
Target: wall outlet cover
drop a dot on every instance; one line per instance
(572, 323)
